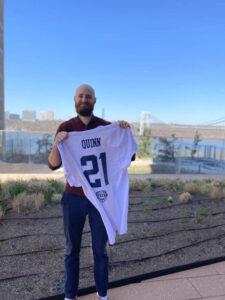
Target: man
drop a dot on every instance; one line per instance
(75, 205)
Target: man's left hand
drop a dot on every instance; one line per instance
(123, 124)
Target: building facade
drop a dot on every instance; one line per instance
(29, 115)
(2, 106)
(46, 116)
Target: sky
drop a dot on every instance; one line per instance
(166, 57)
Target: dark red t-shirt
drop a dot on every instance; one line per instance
(75, 124)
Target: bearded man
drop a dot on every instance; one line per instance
(75, 205)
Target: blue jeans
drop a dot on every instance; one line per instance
(75, 208)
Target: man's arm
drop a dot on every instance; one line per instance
(54, 158)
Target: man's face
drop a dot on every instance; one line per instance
(84, 101)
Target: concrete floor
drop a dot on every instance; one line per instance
(206, 283)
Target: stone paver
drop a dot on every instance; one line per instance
(203, 283)
(220, 267)
(214, 298)
(209, 286)
(161, 290)
(197, 272)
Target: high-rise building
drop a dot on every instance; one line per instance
(50, 115)
(2, 109)
(7, 115)
(144, 122)
(29, 115)
(46, 115)
(14, 117)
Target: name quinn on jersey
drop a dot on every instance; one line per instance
(91, 143)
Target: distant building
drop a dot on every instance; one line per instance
(46, 115)
(2, 109)
(7, 115)
(14, 117)
(29, 115)
(144, 122)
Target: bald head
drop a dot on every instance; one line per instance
(84, 100)
(85, 87)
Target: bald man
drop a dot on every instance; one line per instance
(75, 205)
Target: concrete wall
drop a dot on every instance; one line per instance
(2, 65)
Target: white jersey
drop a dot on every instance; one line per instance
(97, 160)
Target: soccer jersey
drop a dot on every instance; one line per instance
(97, 160)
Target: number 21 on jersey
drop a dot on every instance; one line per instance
(95, 168)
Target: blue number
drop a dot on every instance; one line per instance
(95, 169)
(104, 166)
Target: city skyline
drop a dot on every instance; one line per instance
(165, 57)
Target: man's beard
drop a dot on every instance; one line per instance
(84, 111)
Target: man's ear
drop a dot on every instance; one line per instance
(74, 98)
(95, 100)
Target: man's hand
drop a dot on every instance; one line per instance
(61, 136)
(123, 124)
(54, 157)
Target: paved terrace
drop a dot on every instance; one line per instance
(205, 283)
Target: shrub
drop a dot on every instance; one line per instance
(185, 197)
(219, 183)
(56, 198)
(139, 184)
(24, 201)
(192, 187)
(154, 183)
(217, 193)
(13, 188)
(170, 199)
(172, 185)
(58, 186)
(206, 188)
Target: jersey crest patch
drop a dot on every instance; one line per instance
(102, 196)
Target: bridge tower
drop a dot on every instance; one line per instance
(144, 122)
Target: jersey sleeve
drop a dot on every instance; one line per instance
(69, 165)
(127, 147)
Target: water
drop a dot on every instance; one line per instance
(31, 143)
(25, 142)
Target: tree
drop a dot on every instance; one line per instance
(194, 147)
(167, 148)
(145, 145)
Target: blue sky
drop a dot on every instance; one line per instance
(162, 56)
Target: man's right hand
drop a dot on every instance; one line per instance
(54, 157)
(61, 136)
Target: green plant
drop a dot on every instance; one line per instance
(184, 221)
(3, 209)
(48, 194)
(56, 185)
(204, 212)
(145, 148)
(16, 187)
(154, 183)
(197, 217)
(172, 185)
